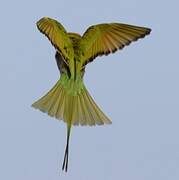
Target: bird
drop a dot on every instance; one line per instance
(69, 100)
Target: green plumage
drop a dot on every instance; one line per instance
(69, 99)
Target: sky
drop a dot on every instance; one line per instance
(137, 88)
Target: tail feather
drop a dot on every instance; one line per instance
(44, 103)
(54, 103)
(65, 160)
(61, 106)
(102, 118)
(75, 111)
(70, 101)
(93, 109)
(58, 102)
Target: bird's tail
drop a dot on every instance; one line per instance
(70, 101)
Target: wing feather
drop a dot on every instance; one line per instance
(59, 38)
(103, 39)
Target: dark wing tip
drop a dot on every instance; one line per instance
(142, 35)
(148, 31)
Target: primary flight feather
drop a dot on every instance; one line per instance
(69, 99)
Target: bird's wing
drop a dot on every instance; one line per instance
(103, 39)
(58, 36)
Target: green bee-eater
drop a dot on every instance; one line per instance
(69, 99)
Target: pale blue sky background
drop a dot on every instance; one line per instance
(137, 88)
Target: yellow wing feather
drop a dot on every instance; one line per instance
(59, 38)
(103, 39)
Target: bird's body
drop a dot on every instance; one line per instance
(69, 99)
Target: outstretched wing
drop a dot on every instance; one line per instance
(58, 36)
(103, 39)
